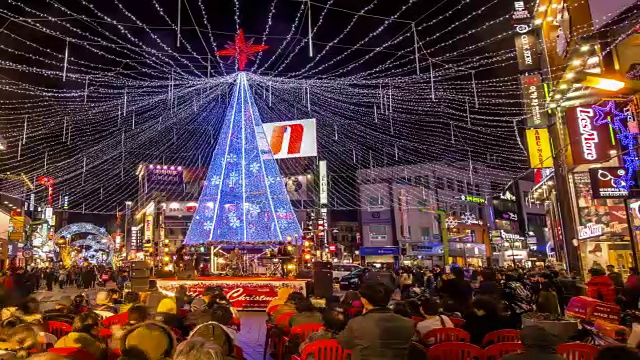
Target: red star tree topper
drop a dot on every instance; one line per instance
(242, 50)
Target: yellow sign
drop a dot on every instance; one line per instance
(16, 228)
(539, 148)
(148, 231)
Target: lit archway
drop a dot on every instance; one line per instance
(99, 241)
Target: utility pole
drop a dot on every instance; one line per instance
(444, 234)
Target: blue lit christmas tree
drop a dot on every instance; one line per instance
(244, 200)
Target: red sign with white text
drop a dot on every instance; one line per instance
(244, 295)
(590, 143)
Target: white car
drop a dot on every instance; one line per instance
(340, 270)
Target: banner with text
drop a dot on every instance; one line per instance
(539, 144)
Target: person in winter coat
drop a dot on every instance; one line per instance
(86, 328)
(288, 306)
(167, 314)
(215, 331)
(483, 319)
(283, 293)
(538, 344)
(488, 285)
(457, 292)
(62, 278)
(600, 286)
(198, 349)
(378, 333)
(149, 340)
(104, 307)
(334, 321)
(548, 300)
(306, 314)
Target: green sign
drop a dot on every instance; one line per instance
(473, 199)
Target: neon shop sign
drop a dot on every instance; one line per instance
(588, 136)
(590, 230)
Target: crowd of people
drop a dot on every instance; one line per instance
(379, 321)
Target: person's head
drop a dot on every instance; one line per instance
(334, 320)
(198, 349)
(400, 308)
(295, 297)
(458, 272)
(131, 297)
(114, 294)
(221, 314)
(149, 341)
(304, 305)
(79, 300)
(488, 275)
(619, 352)
(30, 306)
(596, 272)
(536, 338)
(375, 294)
(414, 307)
(87, 323)
(208, 292)
(137, 314)
(168, 305)
(483, 305)
(430, 307)
(611, 268)
(633, 271)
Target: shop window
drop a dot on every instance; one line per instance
(450, 185)
(460, 186)
(375, 201)
(378, 233)
(425, 233)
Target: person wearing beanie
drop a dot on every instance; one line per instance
(149, 340)
(600, 286)
(538, 343)
(166, 313)
(84, 334)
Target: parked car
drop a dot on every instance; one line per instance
(340, 270)
(353, 280)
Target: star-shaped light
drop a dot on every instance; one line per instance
(242, 50)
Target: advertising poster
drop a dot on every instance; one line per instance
(292, 139)
(159, 177)
(527, 48)
(539, 145)
(603, 183)
(598, 217)
(296, 187)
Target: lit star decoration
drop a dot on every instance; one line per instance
(610, 116)
(242, 50)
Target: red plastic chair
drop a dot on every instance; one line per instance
(455, 351)
(58, 329)
(497, 351)
(73, 353)
(323, 350)
(577, 351)
(442, 335)
(457, 322)
(499, 336)
(235, 324)
(270, 339)
(302, 331)
(117, 319)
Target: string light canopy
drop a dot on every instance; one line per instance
(93, 89)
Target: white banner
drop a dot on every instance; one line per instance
(290, 139)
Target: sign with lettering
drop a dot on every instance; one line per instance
(527, 48)
(324, 182)
(590, 230)
(243, 295)
(162, 177)
(520, 11)
(534, 99)
(473, 199)
(590, 143)
(539, 145)
(605, 182)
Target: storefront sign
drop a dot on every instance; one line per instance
(473, 199)
(534, 98)
(161, 177)
(609, 214)
(589, 143)
(243, 295)
(324, 182)
(603, 182)
(181, 208)
(291, 139)
(539, 146)
(527, 48)
(148, 230)
(590, 230)
(378, 251)
(520, 11)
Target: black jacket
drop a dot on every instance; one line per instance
(457, 295)
(479, 326)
